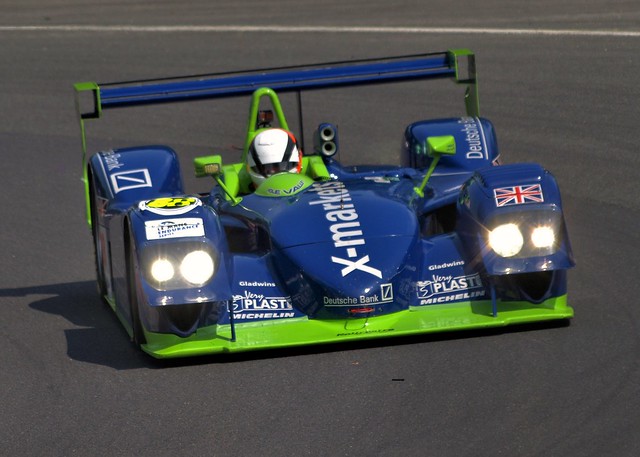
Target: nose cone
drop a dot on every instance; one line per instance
(345, 248)
(373, 278)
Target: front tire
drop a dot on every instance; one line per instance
(137, 332)
(97, 245)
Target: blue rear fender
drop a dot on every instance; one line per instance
(476, 144)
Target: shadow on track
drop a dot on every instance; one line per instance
(97, 336)
(101, 340)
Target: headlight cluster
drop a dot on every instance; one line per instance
(525, 235)
(178, 265)
(506, 240)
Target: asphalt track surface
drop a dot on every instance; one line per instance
(567, 98)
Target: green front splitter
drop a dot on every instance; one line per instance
(283, 333)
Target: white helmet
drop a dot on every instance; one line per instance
(273, 151)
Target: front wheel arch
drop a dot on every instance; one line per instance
(137, 331)
(97, 248)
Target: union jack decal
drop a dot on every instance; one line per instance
(518, 195)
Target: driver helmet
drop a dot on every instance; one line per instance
(273, 151)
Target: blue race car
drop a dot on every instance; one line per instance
(319, 252)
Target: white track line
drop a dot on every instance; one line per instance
(315, 29)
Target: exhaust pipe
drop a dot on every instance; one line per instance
(325, 140)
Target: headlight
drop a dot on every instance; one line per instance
(543, 237)
(180, 265)
(197, 267)
(525, 234)
(162, 270)
(506, 240)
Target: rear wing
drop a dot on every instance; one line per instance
(457, 64)
(92, 99)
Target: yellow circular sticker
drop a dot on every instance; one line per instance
(170, 205)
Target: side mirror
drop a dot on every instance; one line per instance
(212, 166)
(208, 166)
(437, 146)
(441, 145)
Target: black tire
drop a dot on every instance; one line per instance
(97, 251)
(137, 333)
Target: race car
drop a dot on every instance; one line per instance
(447, 240)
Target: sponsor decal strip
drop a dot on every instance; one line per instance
(290, 191)
(256, 284)
(345, 228)
(102, 162)
(122, 180)
(455, 263)
(385, 296)
(443, 289)
(174, 228)
(130, 179)
(250, 305)
(474, 136)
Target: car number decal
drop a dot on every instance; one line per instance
(170, 205)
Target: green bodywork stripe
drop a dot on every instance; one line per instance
(80, 89)
(252, 129)
(314, 167)
(281, 333)
(283, 185)
(237, 180)
(465, 66)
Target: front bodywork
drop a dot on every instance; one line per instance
(335, 253)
